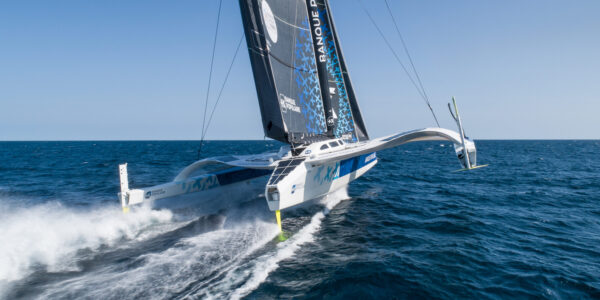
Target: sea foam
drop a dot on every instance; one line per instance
(257, 270)
(193, 261)
(49, 236)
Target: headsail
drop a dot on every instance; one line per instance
(300, 75)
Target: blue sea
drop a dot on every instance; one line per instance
(527, 226)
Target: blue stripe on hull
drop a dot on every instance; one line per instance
(346, 167)
(240, 174)
(350, 165)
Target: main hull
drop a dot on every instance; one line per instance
(307, 181)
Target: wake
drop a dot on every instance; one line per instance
(191, 261)
(254, 272)
(48, 237)
(145, 253)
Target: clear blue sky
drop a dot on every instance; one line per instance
(73, 70)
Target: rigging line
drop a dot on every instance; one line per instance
(223, 85)
(212, 60)
(391, 49)
(399, 61)
(412, 64)
(404, 46)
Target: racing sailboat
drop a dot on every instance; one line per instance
(307, 101)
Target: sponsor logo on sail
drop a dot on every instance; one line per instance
(330, 121)
(269, 21)
(288, 104)
(317, 31)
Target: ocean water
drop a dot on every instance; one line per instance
(527, 226)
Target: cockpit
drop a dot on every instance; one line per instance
(324, 147)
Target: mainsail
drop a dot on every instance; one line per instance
(303, 87)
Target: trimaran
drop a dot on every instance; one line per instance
(306, 101)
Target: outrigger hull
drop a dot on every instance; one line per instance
(210, 184)
(214, 199)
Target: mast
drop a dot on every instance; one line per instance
(338, 94)
(319, 41)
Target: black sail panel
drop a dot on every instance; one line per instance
(284, 67)
(265, 86)
(344, 115)
(319, 43)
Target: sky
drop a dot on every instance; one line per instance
(138, 70)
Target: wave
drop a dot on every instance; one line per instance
(48, 237)
(192, 262)
(160, 258)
